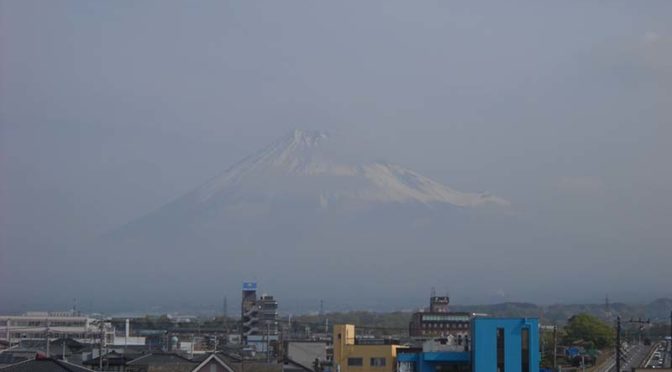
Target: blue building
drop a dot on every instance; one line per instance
(496, 345)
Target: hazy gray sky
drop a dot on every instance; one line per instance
(110, 109)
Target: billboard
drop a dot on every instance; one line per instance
(249, 286)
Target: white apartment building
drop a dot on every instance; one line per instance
(39, 325)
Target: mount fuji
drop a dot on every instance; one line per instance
(299, 212)
(305, 164)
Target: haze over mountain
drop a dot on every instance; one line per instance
(300, 205)
(305, 165)
(526, 153)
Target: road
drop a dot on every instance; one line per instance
(657, 358)
(632, 357)
(666, 353)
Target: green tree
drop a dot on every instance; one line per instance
(589, 329)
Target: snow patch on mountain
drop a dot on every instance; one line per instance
(302, 158)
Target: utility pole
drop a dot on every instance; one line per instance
(192, 347)
(618, 338)
(281, 345)
(555, 346)
(100, 349)
(583, 362)
(670, 343)
(47, 334)
(543, 342)
(225, 309)
(618, 343)
(7, 333)
(127, 332)
(268, 342)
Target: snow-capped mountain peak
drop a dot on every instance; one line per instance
(304, 164)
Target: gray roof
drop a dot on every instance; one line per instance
(160, 359)
(44, 365)
(9, 358)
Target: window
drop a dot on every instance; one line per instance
(500, 349)
(377, 362)
(355, 362)
(445, 318)
(525, 350)
(407, 367)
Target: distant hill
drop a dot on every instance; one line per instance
(657, 311)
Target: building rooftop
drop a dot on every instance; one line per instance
(160, 359)
(44, 365)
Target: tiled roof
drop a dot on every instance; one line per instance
(44, 365)
(159, 359)
(9, 358)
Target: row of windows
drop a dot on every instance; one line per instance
(359, 362)
(42, 323)
(445, 318)
(446, 325)
(431, 332)
(14, 335)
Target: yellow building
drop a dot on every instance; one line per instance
(350, 356)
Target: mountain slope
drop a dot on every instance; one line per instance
(304, 162)
(300, 212)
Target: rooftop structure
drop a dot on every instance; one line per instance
(439, 304)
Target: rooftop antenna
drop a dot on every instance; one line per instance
(321, 307)
(225, 308)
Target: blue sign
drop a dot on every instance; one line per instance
(249, 286)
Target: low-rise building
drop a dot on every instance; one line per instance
(37, 325)
(498, 345)
(437, 321)
(351, 355)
